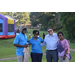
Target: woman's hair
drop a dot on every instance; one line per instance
(34, 32)
(60, 33)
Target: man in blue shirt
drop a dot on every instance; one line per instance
(50, 41)
(36, 51)
(20, 43)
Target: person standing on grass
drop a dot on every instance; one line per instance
(20, 43)
(36, 51)
(43, 36)
(29, 34)
(63, 49)
(50, 41)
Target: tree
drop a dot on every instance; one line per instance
(20, 17)
(25, 18)
(34, 18)
(68, 21)
(47, 19)
(6, 13)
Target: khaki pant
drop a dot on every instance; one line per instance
(61, 59)
(26, 51)
(20, 58)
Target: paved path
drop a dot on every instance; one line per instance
(72, 49)
(29, 56)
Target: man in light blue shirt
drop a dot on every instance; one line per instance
(50, 41)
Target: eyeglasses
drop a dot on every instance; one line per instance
(50, 31)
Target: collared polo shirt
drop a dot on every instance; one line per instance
(21, 40)
(35, 45)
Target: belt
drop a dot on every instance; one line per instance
(52, 50)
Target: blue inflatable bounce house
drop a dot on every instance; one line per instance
(7, 27)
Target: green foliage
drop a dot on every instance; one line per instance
(6, 13)
(20, 17)
(68, 21)
(47, 19)
(34, 18)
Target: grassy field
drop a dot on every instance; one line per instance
(7, 49)
(43, 58)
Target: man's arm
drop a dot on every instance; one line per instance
(17, 45)
(43, 44)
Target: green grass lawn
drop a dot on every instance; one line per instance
(43, 58)
(7, 49)
(72, 45)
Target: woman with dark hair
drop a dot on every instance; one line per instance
(36, 51)
(63, 48)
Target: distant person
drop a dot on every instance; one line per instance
(20, 43)
(17, 31)
(69, 41)
(38, 34)
(29, 34)
(36, 51)
(43, 35)
(63, 49)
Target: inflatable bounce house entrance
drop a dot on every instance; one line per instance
(7, 27)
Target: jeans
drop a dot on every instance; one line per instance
(52, 55)
(36, 57)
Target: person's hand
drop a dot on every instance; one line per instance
(25, 46)
(64, 57)
(29, 45)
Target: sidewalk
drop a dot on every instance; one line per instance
(72, 49)
(29, 56)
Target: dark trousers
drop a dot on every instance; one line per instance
(36, 57)
(52, 55)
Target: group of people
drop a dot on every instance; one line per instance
(57, 48)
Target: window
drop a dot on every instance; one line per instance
(0, 27)
(10, 27)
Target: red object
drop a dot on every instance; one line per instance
(6, 36)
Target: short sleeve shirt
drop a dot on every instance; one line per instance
(35, 45)
(21, 40)
(65, 45)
